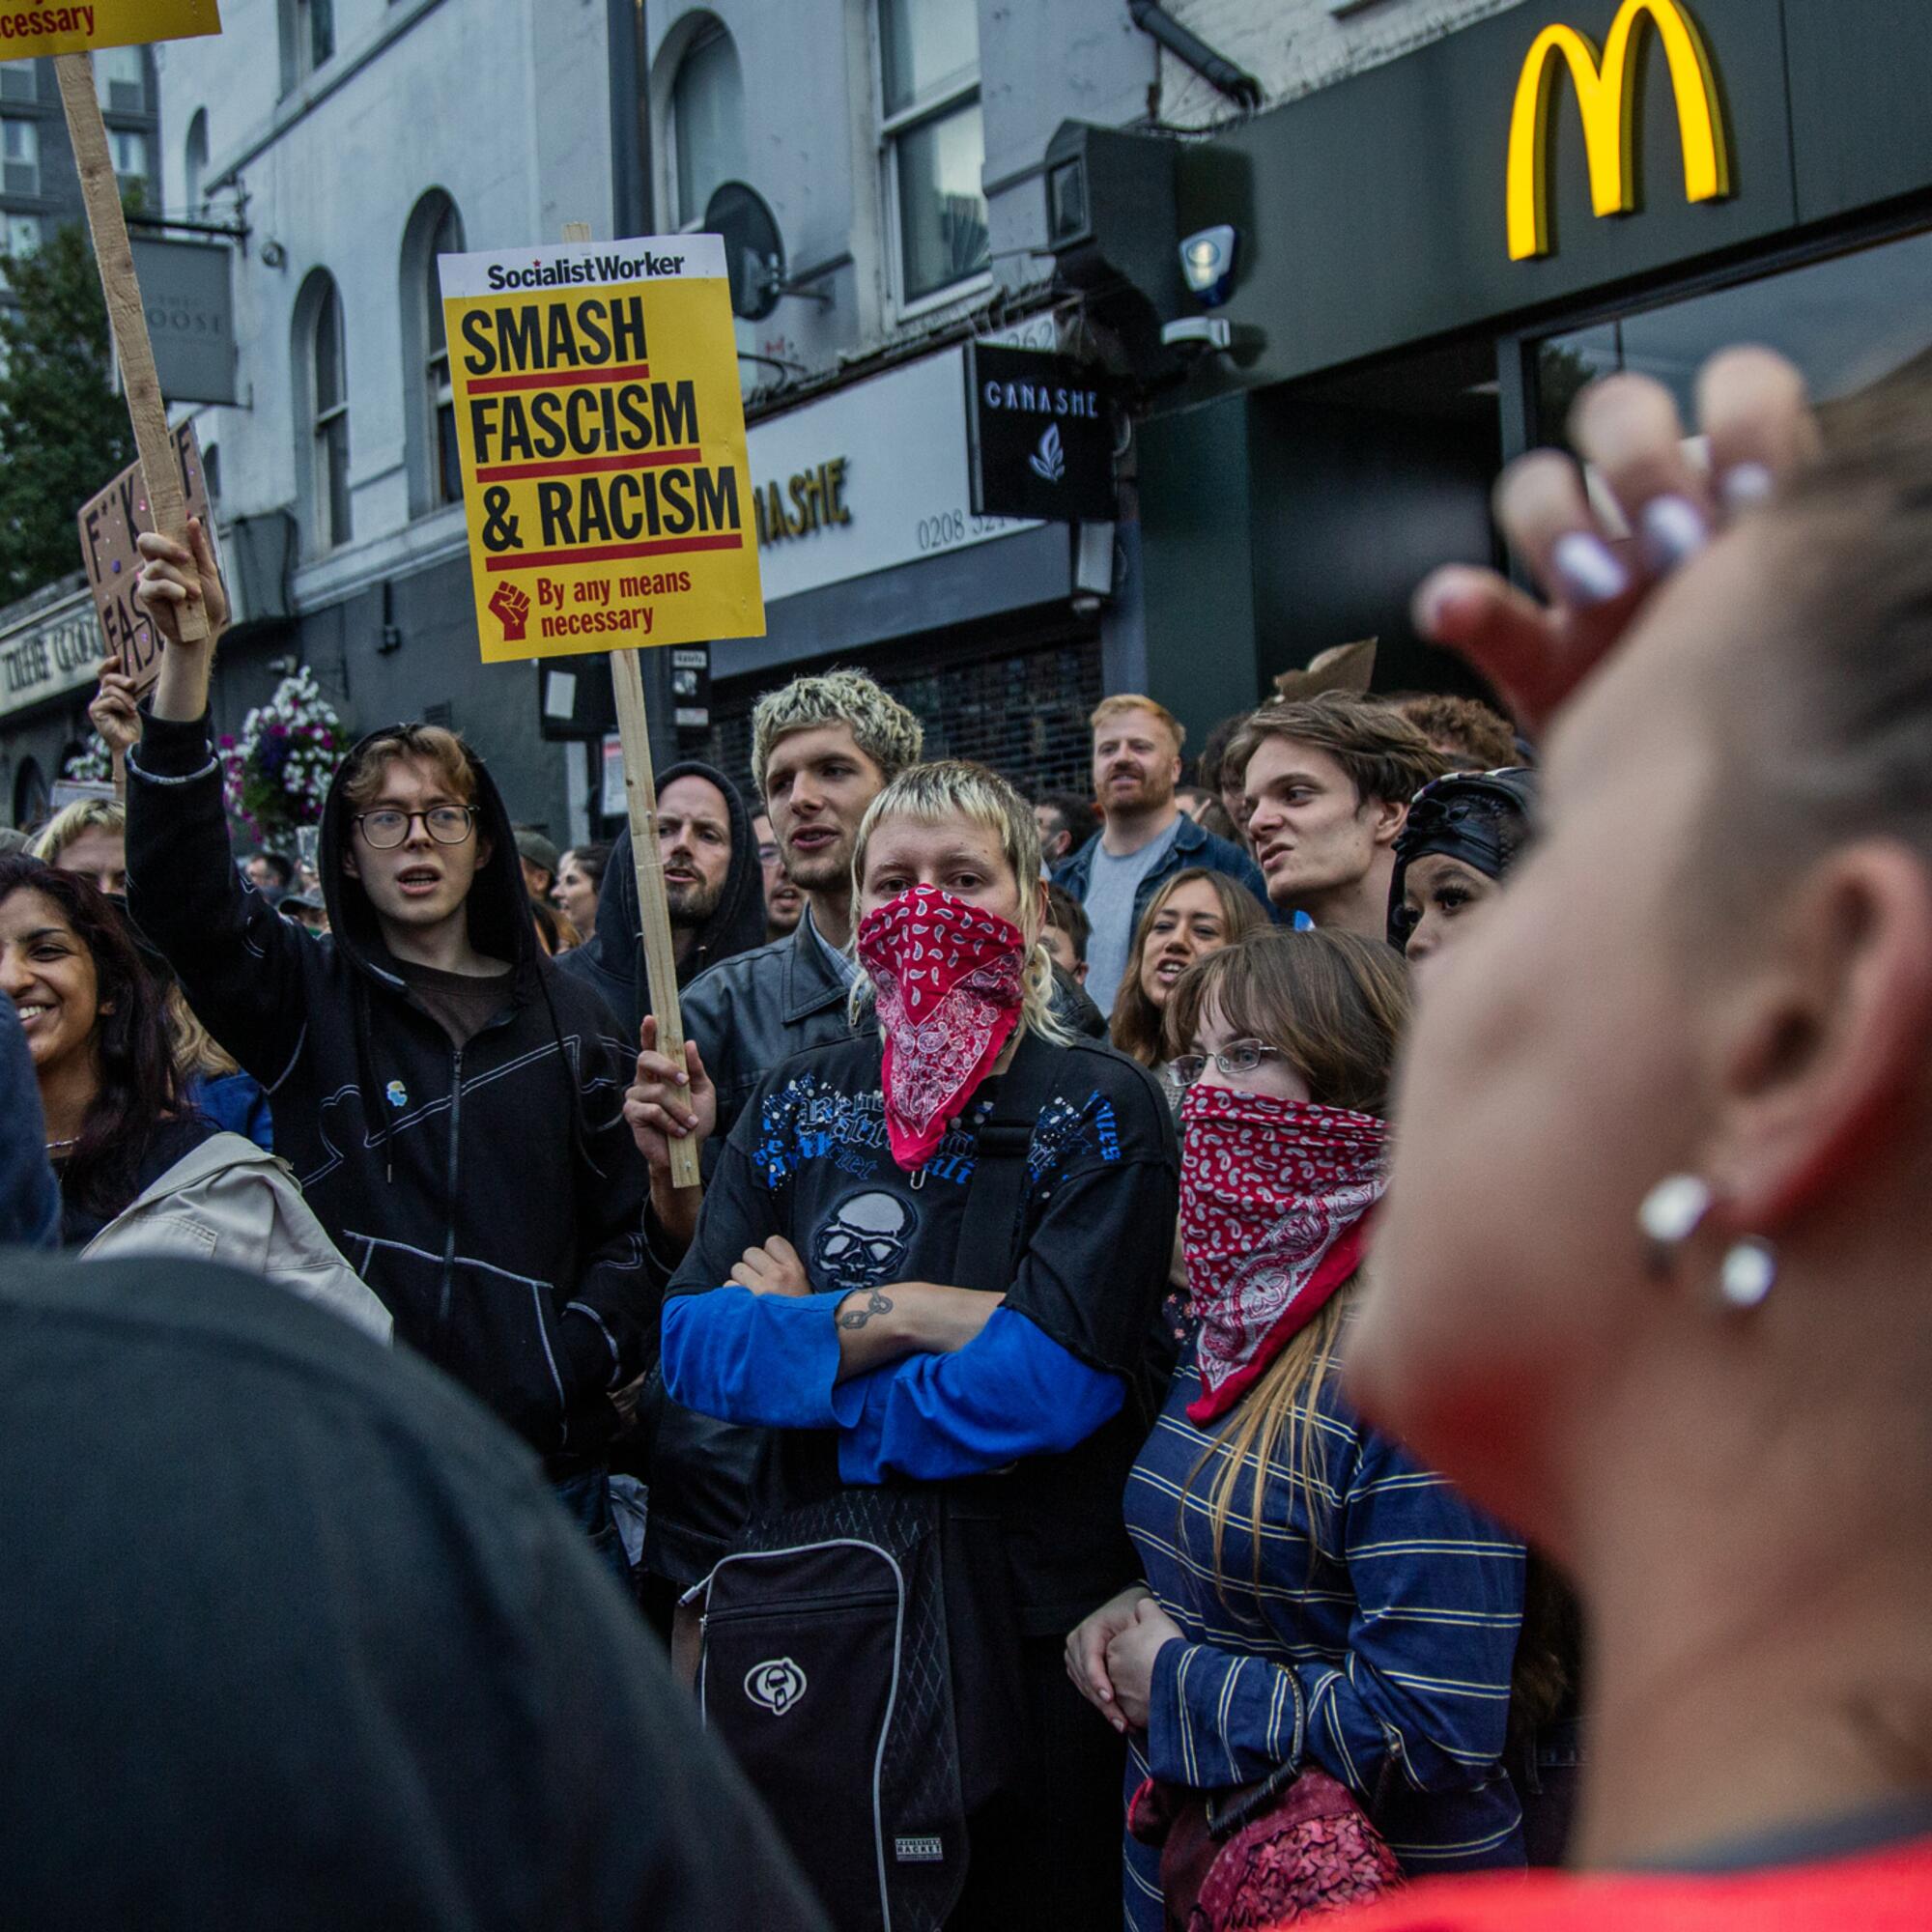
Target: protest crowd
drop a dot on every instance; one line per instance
(1336, 1325)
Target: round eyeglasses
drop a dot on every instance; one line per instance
(1237, 1059)
(386, 827)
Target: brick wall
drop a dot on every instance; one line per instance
(1293, 47)
(1025, 715)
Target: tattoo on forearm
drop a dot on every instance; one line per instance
(877, 1303)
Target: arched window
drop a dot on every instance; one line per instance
(435, 471)
(707, 114)
(194, 165)
(323, 388)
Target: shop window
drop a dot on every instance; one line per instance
(194, 165)
(324, 430)
(20, 157)
(30, 796)
(435, 471)
(120, 80)
(1845, 320)
(707, 115)
(935, 145)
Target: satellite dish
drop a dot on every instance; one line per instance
(753, 250)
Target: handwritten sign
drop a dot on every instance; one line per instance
(605, 476)
(109, 524)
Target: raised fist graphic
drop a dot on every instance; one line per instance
(512, 611)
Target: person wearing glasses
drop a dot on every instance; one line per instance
(450, 1102)
(1313, 1600)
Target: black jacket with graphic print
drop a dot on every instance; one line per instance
(489, 1194)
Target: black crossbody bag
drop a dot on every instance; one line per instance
(833, 1631)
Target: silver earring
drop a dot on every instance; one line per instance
(1749, 1273)
(1672, 1211)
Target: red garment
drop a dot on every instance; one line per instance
(1274, 1198)
(947, 978)
(1889, 1890)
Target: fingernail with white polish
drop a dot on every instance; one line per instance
(1746, 486)
(1673, 530)
(1587, 570)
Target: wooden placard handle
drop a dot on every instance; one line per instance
(147, 410)
(640, 800)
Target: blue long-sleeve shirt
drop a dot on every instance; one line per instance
(1376, 1642)
(772, 1360)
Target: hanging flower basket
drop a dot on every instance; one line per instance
(91, 764)
(276, 775)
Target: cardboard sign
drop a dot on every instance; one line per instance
(605, 477)
(109, 524)
(29, 27)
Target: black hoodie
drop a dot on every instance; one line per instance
(489, 1193)
(613, 961)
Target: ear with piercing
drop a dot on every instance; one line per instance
(1673, 1212)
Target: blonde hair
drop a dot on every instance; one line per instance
(432, 743)
(197, 1053)
(84, 815)
(1123, 701)
(1135, 1025)
(881, 727)
(957, 788)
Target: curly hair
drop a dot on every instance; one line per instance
(139, 1088)
(881, 727)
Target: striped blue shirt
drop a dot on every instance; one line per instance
(1379, 1648)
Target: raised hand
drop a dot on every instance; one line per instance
(115, 711)
(174, 575)
(1751, 407)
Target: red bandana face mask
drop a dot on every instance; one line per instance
(948, 979)
(1274, 1203)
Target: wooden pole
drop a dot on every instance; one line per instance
(641, 799)
(147, 410)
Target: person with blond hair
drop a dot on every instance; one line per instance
(1319, 1617)
(87, 837)
(929, 1262)
(446, 1098)
(1144, 836)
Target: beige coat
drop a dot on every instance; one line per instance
(228, 1202)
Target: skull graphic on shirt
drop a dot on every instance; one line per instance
(864, 1242)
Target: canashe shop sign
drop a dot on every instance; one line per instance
(40, 29)
(604, 480)
(1608, 89)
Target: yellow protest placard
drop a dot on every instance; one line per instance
(29, 27)
(605, 477)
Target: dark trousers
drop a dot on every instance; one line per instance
(587, 1501)
(1048, 1851)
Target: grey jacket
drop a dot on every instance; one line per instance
(230, 1202)
(749, 1013)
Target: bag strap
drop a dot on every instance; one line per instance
(989, 1230)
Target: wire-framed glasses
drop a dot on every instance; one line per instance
(1236, 1060)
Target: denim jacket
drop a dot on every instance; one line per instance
(1192, 847)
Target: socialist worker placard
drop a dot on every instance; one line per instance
(604, 478)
